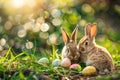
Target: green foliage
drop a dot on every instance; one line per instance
(14, 66)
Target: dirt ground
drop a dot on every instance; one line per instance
(42, 76)
(114, 76)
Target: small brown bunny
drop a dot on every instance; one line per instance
(70, 49)
(92, 54)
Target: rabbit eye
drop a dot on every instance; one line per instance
(86, 43)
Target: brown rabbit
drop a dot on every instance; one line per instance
(70, 49)
(92, 54)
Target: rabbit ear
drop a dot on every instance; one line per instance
(74, 34)
(93, 30)
(65, 36)
(87, 29)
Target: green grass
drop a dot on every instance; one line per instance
(12, 66)
(15, 66)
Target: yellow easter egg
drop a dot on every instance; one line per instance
(89, 71)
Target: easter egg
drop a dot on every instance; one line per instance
(89, 71)
(56, 62)
(66, 62)
(43, 61)
(75, 66)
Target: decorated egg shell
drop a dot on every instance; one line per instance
(66, 62)
(43, 61)
(56, 62)
(89, 71)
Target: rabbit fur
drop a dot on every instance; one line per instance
(70, 49)
(92, 54)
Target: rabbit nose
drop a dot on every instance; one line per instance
(75, 57)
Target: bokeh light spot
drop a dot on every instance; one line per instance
(36, 28)
(44, 27)
(8, 25)
(43, 35)
(82, 22)
(22, 33)
(53, 38)
(86, 8)
(29, 45)
(18, 18)
(56, 22)
(40, 20)
(2, 41)
(28, 25)
(56, 13)
(17, 3)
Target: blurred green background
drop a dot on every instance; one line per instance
(28, 24)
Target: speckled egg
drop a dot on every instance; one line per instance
(43, 61)
(56, 62)
(75, 66)
(89, 71)
(66, 62)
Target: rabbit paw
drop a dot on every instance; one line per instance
(105, 71)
